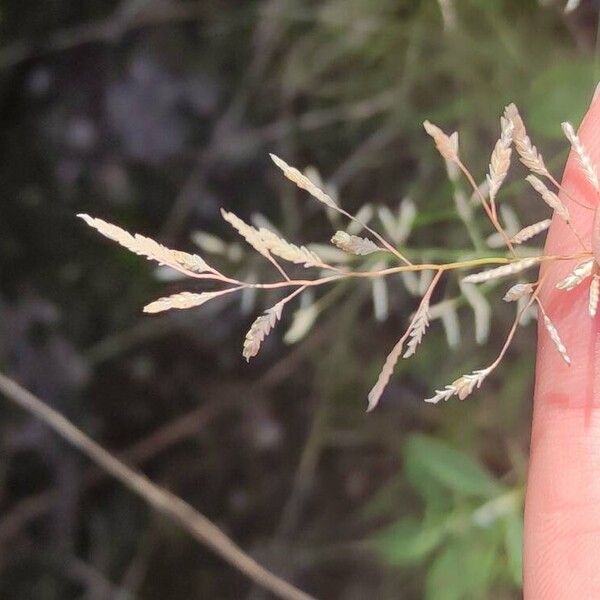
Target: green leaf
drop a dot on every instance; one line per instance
(560, 93)
(409, 541)
(431, 459)
(463, 571)
(513, 542)
(436, 497)
(385, 499)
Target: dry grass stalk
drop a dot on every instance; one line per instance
(177, 510)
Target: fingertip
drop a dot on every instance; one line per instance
(562, 515)
(596, 93)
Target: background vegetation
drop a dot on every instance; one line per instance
(154, 114)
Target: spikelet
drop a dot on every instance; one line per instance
(503, 271)
(353, 244)
(143, 246)
(528, 153)
(530, 231)
(385, 374)
(500, 161)
(418, 329)
(584, 159)
(462, 387)
(303, 182)
(447, 145)
(518, 291)
(260, 329)
(181, 301)
(299, 255)
(249, 233)
(580, 273)
(594, 295)
(555, 337)
(549, 197)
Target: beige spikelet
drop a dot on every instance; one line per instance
(518, 291)
(447, 145)
(180, 301)
(249, 233)
(528, 153)
(353, 244)
(263, 325)
(594, 295)
(461, 387)
(418, 329)
(260, 329)
(303, 182)
(580, 273)
(500, 160)
(143, 246)
(385, 374)
(584, 158)
(549, 197)
(504, 270)
(555, 337)
(296, 254)
(530, 231)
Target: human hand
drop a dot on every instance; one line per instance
(562, 509)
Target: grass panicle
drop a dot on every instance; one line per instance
(509, 263)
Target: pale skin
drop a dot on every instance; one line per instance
(562, 509)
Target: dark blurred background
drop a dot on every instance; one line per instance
(153, 114)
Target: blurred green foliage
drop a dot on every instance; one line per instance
(471, 523)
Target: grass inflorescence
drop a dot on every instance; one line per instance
(514, 261)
